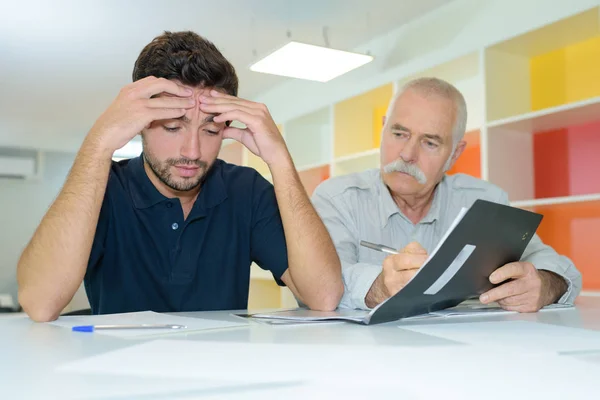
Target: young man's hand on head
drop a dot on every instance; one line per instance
(260, 136)
(135, 108)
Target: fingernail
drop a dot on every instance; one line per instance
(484, 298)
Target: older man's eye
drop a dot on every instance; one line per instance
(171, 128)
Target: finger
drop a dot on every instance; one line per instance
(406, 276)
(143, 81)
(509, 271)
(236, 134)
(513, 288)
(522, 308)
(232, 100)
(225, 107)
(238, 115)
(217, 93)
(414, 248)
(513, 301)
(409, 261)
(162, 85)
(171, 102)
(157, 114)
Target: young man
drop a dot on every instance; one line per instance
(176, 229)
(411, 202)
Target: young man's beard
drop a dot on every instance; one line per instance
(162, 170)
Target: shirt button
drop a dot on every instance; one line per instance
(169, 205)
(175, 226)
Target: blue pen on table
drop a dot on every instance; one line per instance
(378, 247)
(92, 328)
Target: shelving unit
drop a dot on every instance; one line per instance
(533, 129)
(543, 103)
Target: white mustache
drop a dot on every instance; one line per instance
(400, 166)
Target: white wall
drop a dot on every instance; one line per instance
(22, 205)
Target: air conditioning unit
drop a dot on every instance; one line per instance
(18, 167)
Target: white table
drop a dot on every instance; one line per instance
(29, 352)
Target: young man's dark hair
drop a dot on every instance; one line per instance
(188, 58)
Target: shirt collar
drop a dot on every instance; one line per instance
(144, 194)
(389, 206)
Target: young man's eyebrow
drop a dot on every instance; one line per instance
(184, 119)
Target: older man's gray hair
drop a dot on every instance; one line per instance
(438, 87)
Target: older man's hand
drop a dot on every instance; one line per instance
(526, 289)
(398, 270)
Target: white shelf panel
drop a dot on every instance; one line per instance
(549, 119)
(312, 166)
(309, 137)
(554, 36)
(556, 200)
(456, 70)
(356, 163)
(357, 156)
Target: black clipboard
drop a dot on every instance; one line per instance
(498, 235)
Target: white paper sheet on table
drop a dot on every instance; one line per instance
(478, 310)
(463, 371)
(144, 317)
(532, 336)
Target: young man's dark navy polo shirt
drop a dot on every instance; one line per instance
(145, 256)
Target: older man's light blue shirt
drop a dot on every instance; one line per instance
(359, 207)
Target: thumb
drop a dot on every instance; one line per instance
(414, 248)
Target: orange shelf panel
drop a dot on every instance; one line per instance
(469, 161)
(566, 161)
(573, 230)
(311, 178)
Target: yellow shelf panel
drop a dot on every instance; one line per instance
(358, 121)
(566, 75)
(232, 152)
(257, 163)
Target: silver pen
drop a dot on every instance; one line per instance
(92, 328)
(378, 247)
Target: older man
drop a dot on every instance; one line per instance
(411, 202)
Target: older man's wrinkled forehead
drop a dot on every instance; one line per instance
(432, 111)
